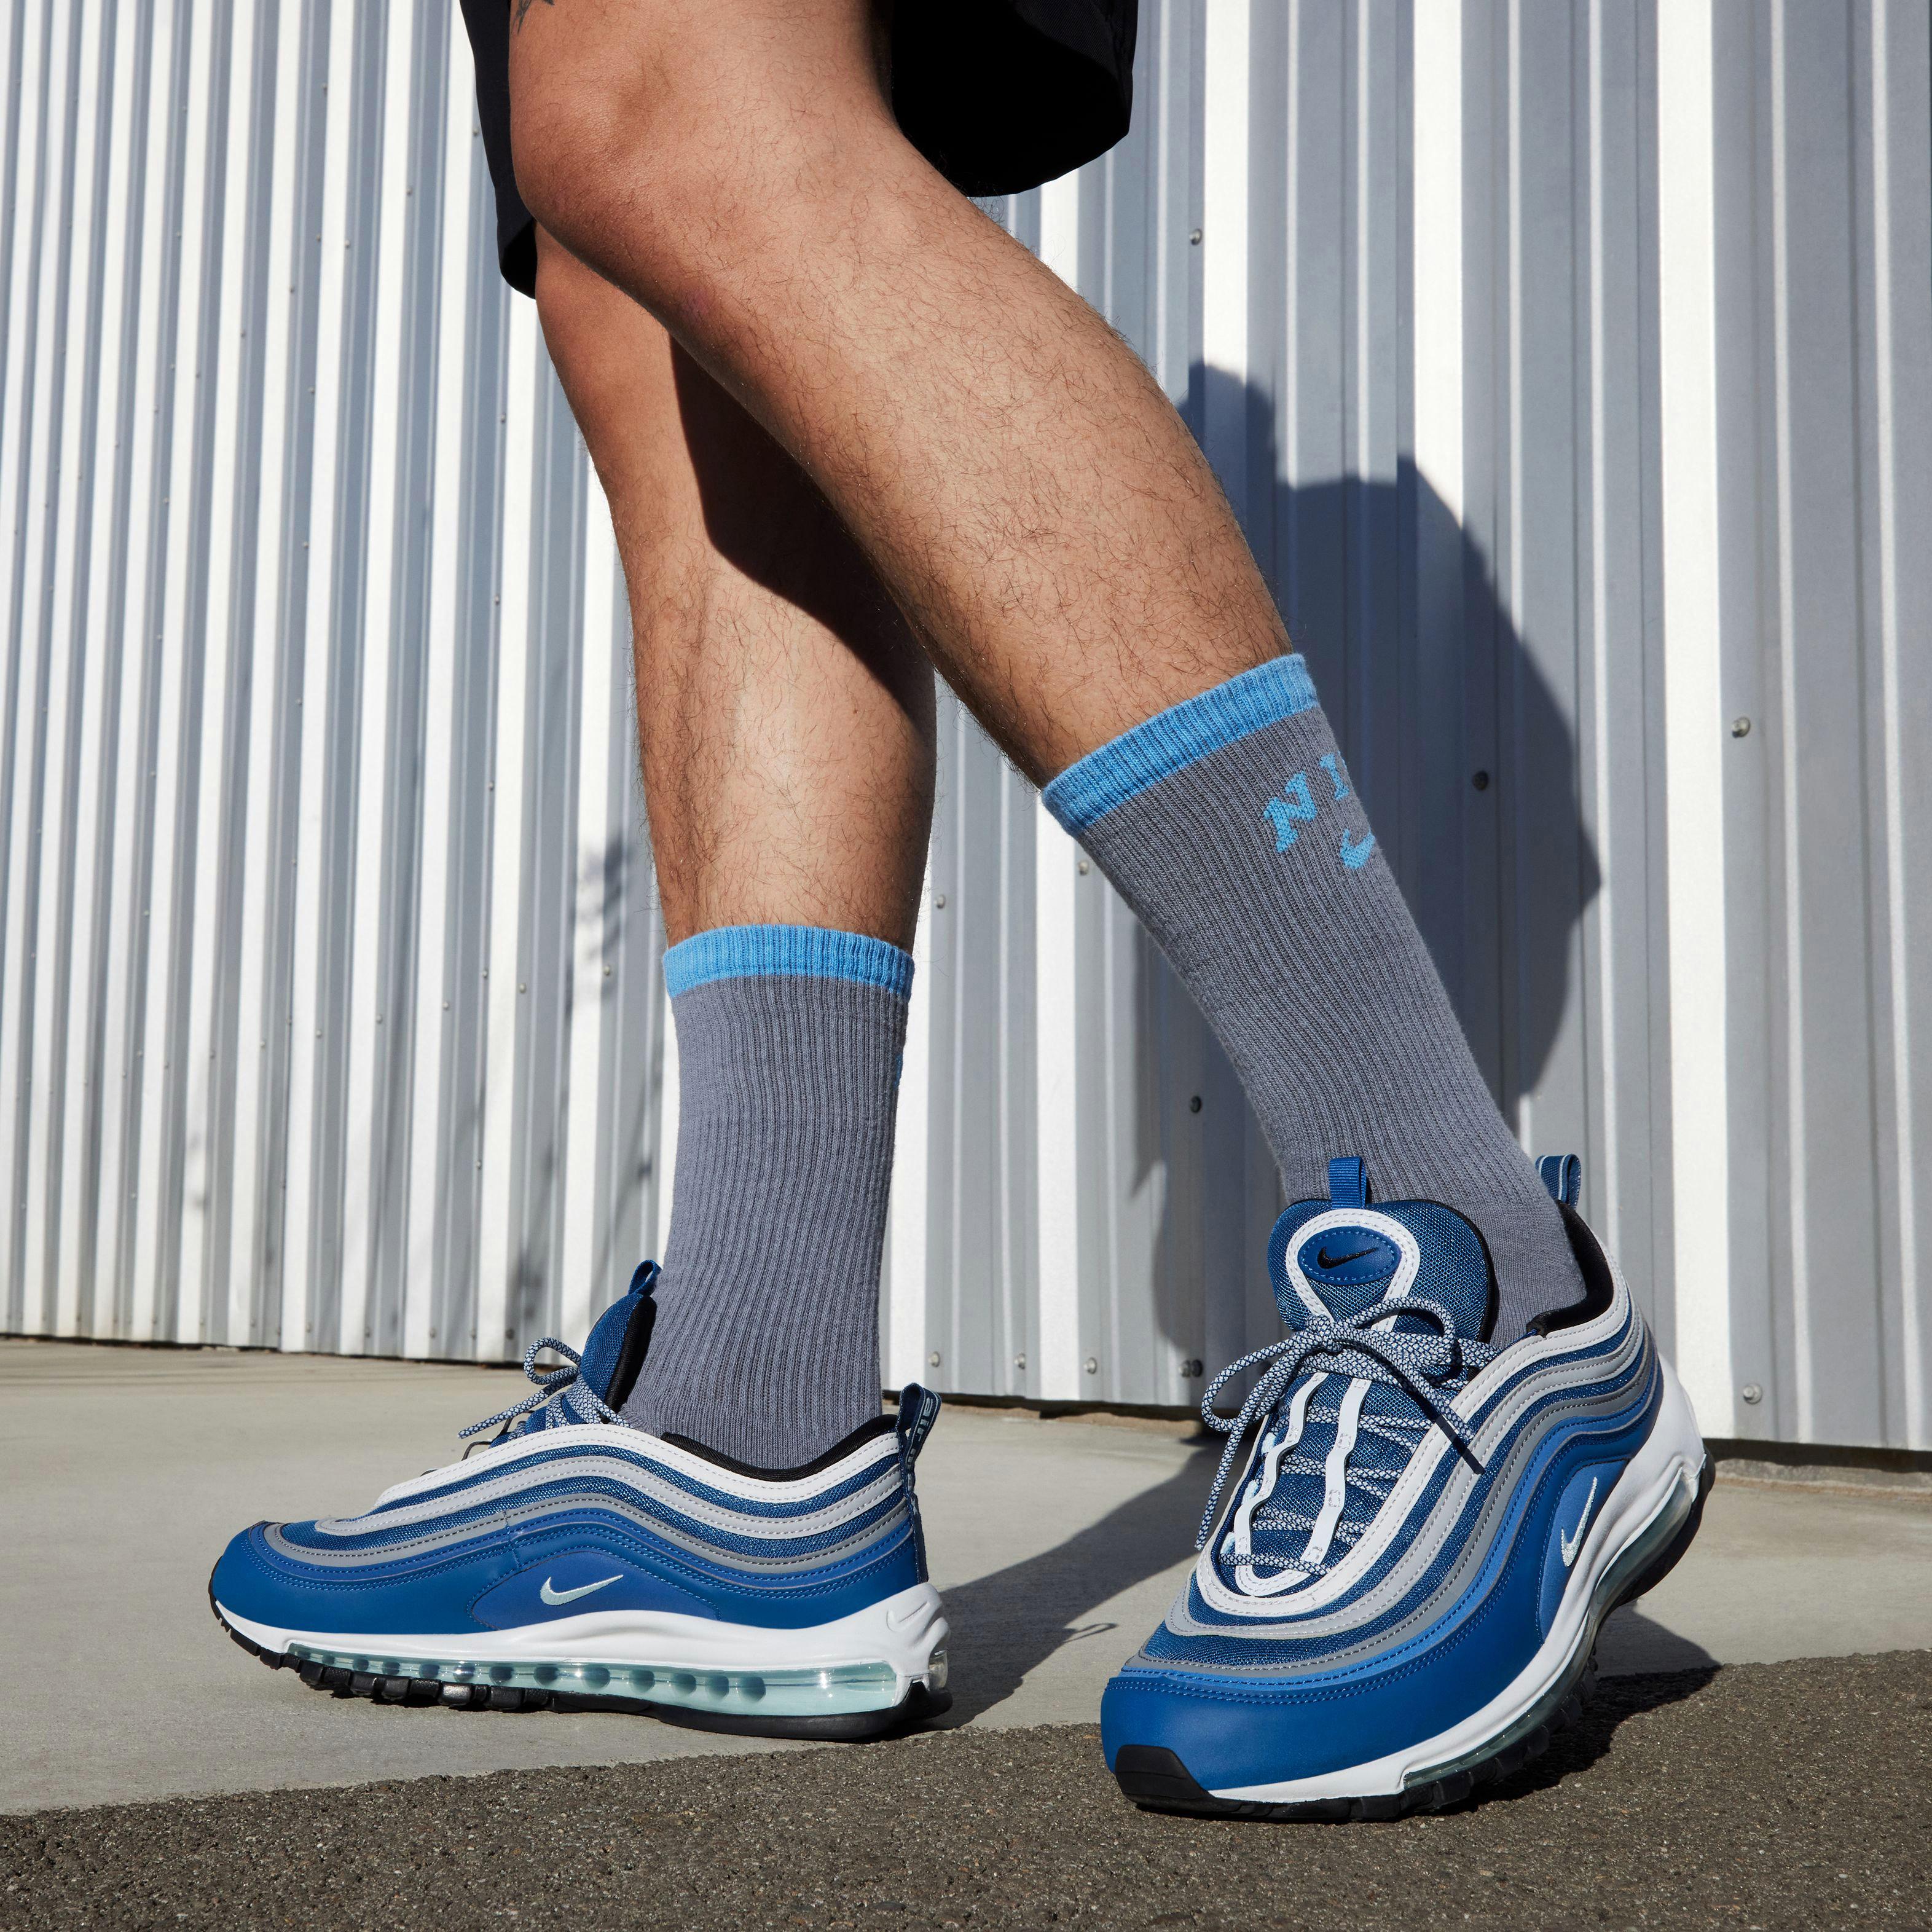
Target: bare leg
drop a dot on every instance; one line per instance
(1041, 514)
(767, 654)
(1011, 470)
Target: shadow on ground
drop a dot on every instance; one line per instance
(1606, 1708)
(1010, 1621)
(1632, 1642)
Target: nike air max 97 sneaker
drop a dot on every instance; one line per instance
(1403, 1595)
(574, 1559)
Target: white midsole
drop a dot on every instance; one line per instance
(903, 1631)
(1673, 1455)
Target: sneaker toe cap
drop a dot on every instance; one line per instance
(1234, 1733)
(1225, 1734)
(247, 1583)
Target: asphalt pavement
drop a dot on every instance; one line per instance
(1794, 1795)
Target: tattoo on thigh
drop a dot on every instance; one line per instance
(522, 7)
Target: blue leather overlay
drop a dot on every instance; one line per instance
(1582, 1497)
(585, 1580)
(255, 1582)
(442, 1594)
(1234, 1730)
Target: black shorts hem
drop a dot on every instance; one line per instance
(1000, 95)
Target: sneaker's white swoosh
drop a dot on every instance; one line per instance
(1571, 1544)
(551, 1595)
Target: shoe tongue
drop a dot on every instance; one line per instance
(1344, 1255)
(618, 1339)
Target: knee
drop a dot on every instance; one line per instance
(623, 154)
(578, 130)
(682, 140)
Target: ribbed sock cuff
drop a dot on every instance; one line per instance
(786, 952)
(1176, 737)
(766, 1342)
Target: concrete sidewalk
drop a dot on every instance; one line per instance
(1058, 1544)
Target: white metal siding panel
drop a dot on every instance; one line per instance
(331, 1011)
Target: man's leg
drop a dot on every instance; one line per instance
(786, 718)
(1039, 510)
(1012, 470)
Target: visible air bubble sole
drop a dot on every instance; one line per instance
(833, 1692)
(835, 1705)
(1156, 1779)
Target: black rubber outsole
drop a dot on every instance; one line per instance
(918, 1706)
(1156, 1779)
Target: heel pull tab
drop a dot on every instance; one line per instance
(1562, 1174)
(919, 1409)
(1347, 1182)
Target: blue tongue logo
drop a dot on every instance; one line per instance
(1347, 1257)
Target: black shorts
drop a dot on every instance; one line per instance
(1000, 95)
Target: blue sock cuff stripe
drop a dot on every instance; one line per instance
(1178, 736)
(793, 951)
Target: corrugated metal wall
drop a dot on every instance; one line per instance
(1570, 368)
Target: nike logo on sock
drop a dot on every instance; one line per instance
(1571, 1544)
(551, 1595)
(1355, 852)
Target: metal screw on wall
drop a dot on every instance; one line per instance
(1752, 1393)
(1019, 1363)
(932, 1361)
(1740, 727)
(1481, 781)
(1092, 1365)
(1194, 1104)
(1190, 1370)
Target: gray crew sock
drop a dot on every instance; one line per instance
(766, 1342)
(1229, 825)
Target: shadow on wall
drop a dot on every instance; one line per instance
(1458, 731)
(1465, 752)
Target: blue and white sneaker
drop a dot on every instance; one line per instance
(575, 1560)
(1403, 1596)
